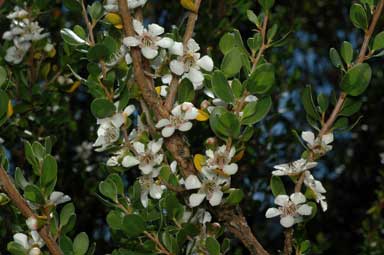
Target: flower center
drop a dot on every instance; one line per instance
(188, 60)
(146, 40)
(288, 209)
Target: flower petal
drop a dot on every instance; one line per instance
(192, 182)
(168, 131)
(155, 29)
(328, 138)
(177, 67)
(192, 45)
(298, 198)
(196, 199)
(149, 53)
(144, 198)
(185, 126)
(165, 43)
(308, 136)
(230, 169)
(287, 221)
(162, 123)
(304, 210)
(155, 191)
(146, 168)
(195, 76)
(281, 200)
(138, 27)
(21, 239)
(139, 147)
(129, 161)
(131, 41)
(272, 212)
(216, 197)
(177, 49)
(206, 63)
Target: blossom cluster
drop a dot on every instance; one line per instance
(293, 208)
(22, 33)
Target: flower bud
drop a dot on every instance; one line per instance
(4, 199)
(32, 223)
(34, 251)
(204, 104)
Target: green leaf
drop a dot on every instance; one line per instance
(38, 150)
(33, 194)
(357, 79)
(378, 43)
(16, 248)
(252, 17)
(266, 4)
(232, 62)
(323, 102)
(213, 246)
(66, 245)
(262, 79)
(227, 42)
(237, 88)
(72, 5)
(97, 52)
(335, 58)
(341, 124)
(81, 244)
(66, 213)
(49, 174)
(20, 180)
(116, 179)
(4, 99)
(309, 105)
(95, 11)
(185, 92)
(358, 16)
(350, 107)
(255, 111)
(115, 219)
(277, 186)
(102, 108)
(133, 225)
(272, 32)
(71, 37)
(224, 123)
(347, 52)
(3, 76)
(108, 189)
(305, 245)
(235, 196)
(221, 87)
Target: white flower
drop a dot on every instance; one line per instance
(112, 5)
(209, 189)
(15, 55)
(317, 188)
(58, 197)
(319, 145)
(189, 62)
(179, 120)
(291, 209)
(109, 129)
(31, 244)
(147, 157)
(151, 187)
(293, 168)
(201, 216)
(220, 159)
(148, 39)
(32, 223)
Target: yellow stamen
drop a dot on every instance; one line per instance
(114, 19)
(74, 86)
(158, 90)
(202, 115)
(199, 161)
(238, 156)
(189, 5)
(10, 109)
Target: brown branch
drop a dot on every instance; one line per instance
(159, 245)
(361, 58)
(192, 18)
(288, 241)
(236, 223)
(26, 211)
(88, 24)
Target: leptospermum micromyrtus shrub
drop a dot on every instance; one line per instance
(152, 86)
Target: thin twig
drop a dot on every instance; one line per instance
(159, 245)
(26, 211)
(361, 58)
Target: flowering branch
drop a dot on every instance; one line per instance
(361, 58)
(26, 211)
